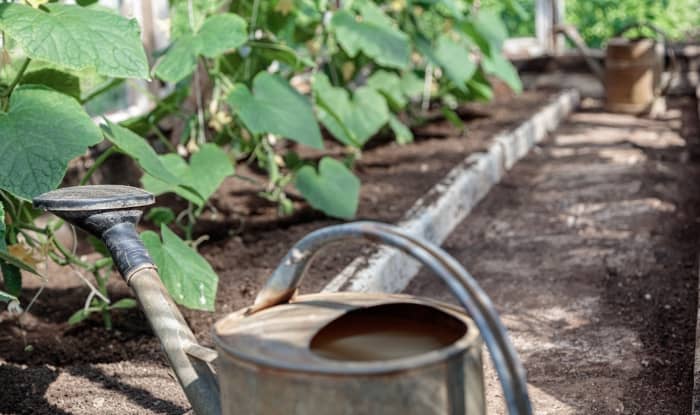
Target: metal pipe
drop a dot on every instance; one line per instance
(286, 278)
(195, 376)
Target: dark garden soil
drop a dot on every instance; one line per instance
(589, 248)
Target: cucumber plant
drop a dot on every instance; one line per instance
(271, 77)
(256, 82)
(47, 50)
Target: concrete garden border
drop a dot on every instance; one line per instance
(446, 204)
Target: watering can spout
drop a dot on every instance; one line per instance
(111, 214)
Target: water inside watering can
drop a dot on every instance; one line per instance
(386, 332)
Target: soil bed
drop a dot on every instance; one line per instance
(50, 368)
(588, 247)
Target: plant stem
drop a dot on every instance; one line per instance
(107, 318)
(8, 92)
(155, 130)
(101, 90)
(98, 162)
(68, 255)
(102, 286)
(18, 78)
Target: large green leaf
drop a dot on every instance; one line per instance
(187, 16)
(487, 30)
(275, 107)
(333, 189)
(190, 280)
(389, 84)
(411, 85)
(498, 65)
(77, 38)
(208, 167)
(374, 36)
(452, 57)
(401, 132)
(139, 149)
(54, 79)
(479, 88)
(351, 121)
(218, 34)
(180, 61)
(221, 33)
(177, 166)
(40, 134)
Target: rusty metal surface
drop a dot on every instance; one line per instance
(283, 284)
(450, 387)
(633, 68)
(279, 337)
(632, 74)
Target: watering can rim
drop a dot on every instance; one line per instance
(320, 365)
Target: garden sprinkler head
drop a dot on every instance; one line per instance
(109, 212)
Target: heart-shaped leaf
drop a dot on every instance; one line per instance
(40, 134)
(351, 121)
(275, 107)
(452, 57)
(139, 149)
(487, 30)
(411, 85)
(333, 189)
(375, 36)
(189, 278)
(77, 38)
(498, 65)
(389, 84)
(208, 167)
(218, 34)
(178, 167)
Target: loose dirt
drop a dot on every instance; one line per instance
(588, 247)
(47, 367)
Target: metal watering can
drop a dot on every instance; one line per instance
(328, 353)
(633, 67)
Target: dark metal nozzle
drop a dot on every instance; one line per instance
(110, 212)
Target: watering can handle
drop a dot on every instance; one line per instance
(675, 67)
(285, 280)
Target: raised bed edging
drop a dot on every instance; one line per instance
(446, 204)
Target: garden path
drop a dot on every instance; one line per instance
(588, 247)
